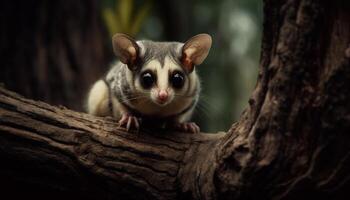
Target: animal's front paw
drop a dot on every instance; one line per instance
(190, 127)
(129, 121)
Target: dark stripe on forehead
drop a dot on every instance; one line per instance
(159, 50)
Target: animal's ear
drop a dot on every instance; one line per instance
(126, 49)
(195, 50)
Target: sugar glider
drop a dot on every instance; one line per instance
(152, 80)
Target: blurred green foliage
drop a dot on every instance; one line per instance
(229, 73)
(122, 16)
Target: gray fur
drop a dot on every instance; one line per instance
(116, 77)
(159, 50)
(117, 80)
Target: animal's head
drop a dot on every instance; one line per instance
(165, 71)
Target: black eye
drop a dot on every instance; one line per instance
(177, 80)
(147, 80)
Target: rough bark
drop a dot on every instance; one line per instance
(52, 50)
(292, 142)
(59, 149)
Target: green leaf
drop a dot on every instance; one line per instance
(124, 9)
(111, 21)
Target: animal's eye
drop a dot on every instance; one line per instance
(147, 79)
(177, 80)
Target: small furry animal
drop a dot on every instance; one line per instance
(153, 80)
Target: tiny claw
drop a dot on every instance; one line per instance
(123, 120)
(129, 123)
(188, 127)
(185, 127)
(194, 127)
(137, 124)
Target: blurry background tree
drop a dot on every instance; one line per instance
(54, 50)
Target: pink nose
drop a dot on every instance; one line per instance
(162, 95)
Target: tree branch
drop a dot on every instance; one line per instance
(75, 146)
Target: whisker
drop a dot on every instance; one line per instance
(202, 109)
(142, 92)
(132, 98)
(207, 103)
(184, 96)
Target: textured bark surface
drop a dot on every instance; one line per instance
(292, 142)
(52, 50)
(74, 153)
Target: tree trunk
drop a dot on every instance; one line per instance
(292, 142)
(52, 50)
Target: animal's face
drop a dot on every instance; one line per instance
(164, 82)
(162, 73)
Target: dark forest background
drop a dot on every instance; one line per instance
(54, 50)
